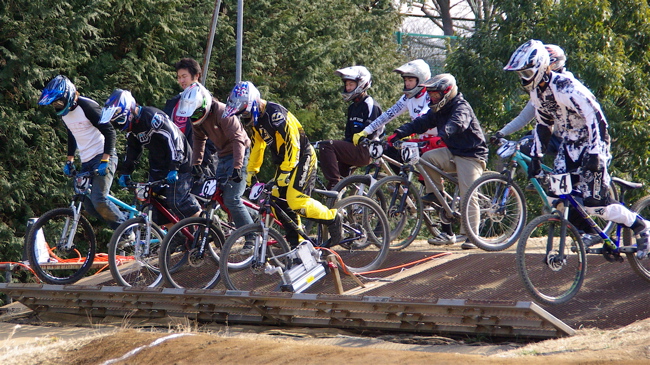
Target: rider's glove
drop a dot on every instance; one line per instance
(592, 162)
(395, 136)
(283, 178)
(172, 177)
(102, 169)
(236, 176)
(496, 137)
(359, 137)
(69, 168)
(250, 176)
(535, 167)
(124, 181)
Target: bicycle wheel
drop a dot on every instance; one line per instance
(132, 260)
(405, 219)
(356, 185)
(366, 234)
(640, 267)
(50, 260)
(501, 214)
(189, 254)
(551, 276)
(238, 268)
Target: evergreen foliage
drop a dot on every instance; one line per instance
(291, 50)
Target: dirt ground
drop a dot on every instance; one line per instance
(72, 340)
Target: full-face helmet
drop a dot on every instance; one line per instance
(244, 100)
(61, 93)
(445, 84)
(418, 69)
(358, 74)
(530, 61)
(557, 58)
(195, 103)
(119, 109)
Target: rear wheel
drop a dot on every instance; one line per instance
(640, 266)
(46, 252)
(133, 253)
(552, 275)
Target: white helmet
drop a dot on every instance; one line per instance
(195, 103)
(444, 83)
(244, 100)
(360, 75)
(418, 69)
(557, 58)
(530, 61)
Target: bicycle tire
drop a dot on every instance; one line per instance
(501, 218)
(354, 185)
(406, 224)
(130, 265)
(366, 234)
(640, 267)
(85, 245)
(236, 267)
(181, 262)
(551, 282)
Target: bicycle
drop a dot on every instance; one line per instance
(135, 244)
(61, 245)
(551, 255)
(404, 204)
(379, 168)
(363, 247)
(502, 203)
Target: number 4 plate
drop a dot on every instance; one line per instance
(561, 184)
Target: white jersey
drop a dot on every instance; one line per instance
(90, 141)
(416, 107)
(567, 106)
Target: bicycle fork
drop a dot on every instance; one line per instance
(66, 241)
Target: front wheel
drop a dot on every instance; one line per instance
(133, 253)
(403, 208)
(242, 267)
(48, 252)
(189, 255)
(551, 263)
(493, 212)
(640, 267)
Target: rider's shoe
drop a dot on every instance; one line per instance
(335, 230)
(468, 245)
(530, 187)
(442, 239)
(247, 250)
(126, 239)
(430, 198)
(591, 239)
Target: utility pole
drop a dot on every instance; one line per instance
(240, 36)
(208, 47)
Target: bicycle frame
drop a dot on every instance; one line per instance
(520, 159)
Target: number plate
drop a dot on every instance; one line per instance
(256, 191)
(209, 188)
(376, 150)
(561, 184)
(142, 192)
(82, 184)
(410, 152)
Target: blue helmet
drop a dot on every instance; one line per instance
(119, 109)
(60, 93)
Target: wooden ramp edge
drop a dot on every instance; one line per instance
(412, 315)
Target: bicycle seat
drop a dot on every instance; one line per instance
(327, 193)
(627, 184)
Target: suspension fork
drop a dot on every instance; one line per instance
(66, 241)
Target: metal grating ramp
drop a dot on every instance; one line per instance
(414, 315)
